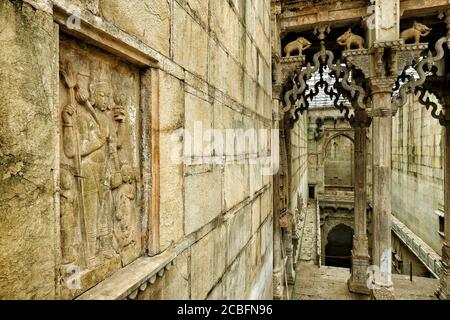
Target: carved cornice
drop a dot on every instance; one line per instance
(388, 44)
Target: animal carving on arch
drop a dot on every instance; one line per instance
(349, 40)
(297, 45)
(417, 31)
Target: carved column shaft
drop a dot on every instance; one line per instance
(360, 189)
(360, 252)
(382, 156)
(277, 262)
(444, 291)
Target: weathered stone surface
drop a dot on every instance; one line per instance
(27, 152)
(218, 292)
(235, 279)
(148, 20)
(190, 43)
(416, 153)
(266, 237)
(239, 231)
(200, 8)
(218, 66)
(172, 100)
(198, 120)
(208, 263)
(266, 205)
(171, 205)
(201, 210)
(235, 184)
(171, 171)
(176, 280)
(256, 215)
(211, 66)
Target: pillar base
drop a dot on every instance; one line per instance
(290, 271)
(290, 275)
(382, 294)
(358, 280)
(278, 285)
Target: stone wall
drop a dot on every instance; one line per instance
(27, 156)
(299, 164)
(326, 125)
(417, 172)
(200, 63)
(299, 192)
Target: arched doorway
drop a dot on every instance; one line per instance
(338, 250)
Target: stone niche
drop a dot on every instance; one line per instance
(100, 190)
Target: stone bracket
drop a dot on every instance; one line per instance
(289, 66)
(360, 59)
(407, 55)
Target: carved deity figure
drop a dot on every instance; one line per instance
(297, 46)
(68, 217)
(417, 31)
(350, 40)
(92, 141)
(124, 197)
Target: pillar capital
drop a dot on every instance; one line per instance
(381, 85)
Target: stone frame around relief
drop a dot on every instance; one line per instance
(146, 139)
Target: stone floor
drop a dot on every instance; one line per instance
(329, 283)
(308, 243)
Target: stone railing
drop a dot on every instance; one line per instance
(421, 250)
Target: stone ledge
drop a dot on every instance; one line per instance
(127, 282)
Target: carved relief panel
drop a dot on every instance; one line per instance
(100, 190)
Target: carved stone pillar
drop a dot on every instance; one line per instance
(444, 289)
(360, 252)
(382, 155)
(284, 70)
(286, 218)
(277, 261)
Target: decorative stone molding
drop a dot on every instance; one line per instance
(290, 66)
(407, 55)
(359, 58)
(388, 44)
(134, 278)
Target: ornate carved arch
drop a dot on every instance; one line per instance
(296, 99)
(425, 68)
